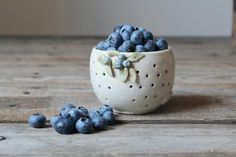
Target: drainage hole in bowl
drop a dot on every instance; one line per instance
(96, 73)
(154, 65)
(166, 71)
(146, 97)
(137, 71)
(168, 83)
(147, 75)
(158, 75)
(153, 85)
(99, 85)
(155, 96)
(140, 87)
(162, 84)
(103, 74)
(133, 100)
(146, 105)
(131, 86)
(109, 87)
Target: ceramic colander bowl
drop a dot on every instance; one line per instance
(136, 90)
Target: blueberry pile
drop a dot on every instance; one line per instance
(127, 38)
(76, 120)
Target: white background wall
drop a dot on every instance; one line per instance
(97, 17)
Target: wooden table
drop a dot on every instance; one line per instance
(39, 75)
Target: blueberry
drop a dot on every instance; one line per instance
(139, 48)
(141, 29)
(117, 28)
(67, 106)
(115, 39)
(137, 37)
(111, 49)
(105, 108)
(128, 28)
(53, 120)
(84, 126)
(37, 120)
(110, 117)
(65, 125)
(99, 46)
(106, 60)
(65, 112)
(150, 45)
(125, 35)
(161, 44)
(74, 114)
(118, 64)
(93, 113)
(99, 123)
(147, 35)
(121, 56)
(127, 63)
(127, 46)
(83, 110)
(106, 45)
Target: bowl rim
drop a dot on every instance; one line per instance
(146, 53)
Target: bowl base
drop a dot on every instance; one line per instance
(134, 113)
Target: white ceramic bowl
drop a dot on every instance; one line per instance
(153, 85)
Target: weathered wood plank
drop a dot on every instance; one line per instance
(122, 140)
(42, 74)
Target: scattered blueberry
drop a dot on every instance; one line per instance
(84, 126)
(128, 28)
(139, 48)
(53, 120)
(137, 37)
(141, 29)
(117, 28)
(161, 44)
(150, 45)
(83, 109)
(74, 114)
(93, 113)
(77, 119)
(37, 120)
(115, 40)
(67, 106)
(64, 112)
(105, 108)
(147, 35)
(65, 125)
(109, 116)
(99, 123)
(125, 35)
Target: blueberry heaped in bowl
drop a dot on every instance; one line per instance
(127, 38)
(132, 71)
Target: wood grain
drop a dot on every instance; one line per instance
(39, 75)
(124, 140)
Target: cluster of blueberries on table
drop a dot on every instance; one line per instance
(127, 38)
(76, 120)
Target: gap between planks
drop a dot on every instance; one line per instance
(127, 140)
